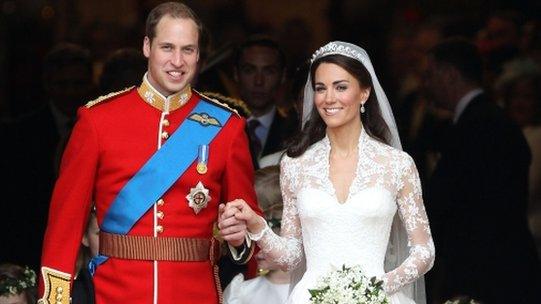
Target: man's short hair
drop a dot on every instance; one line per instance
(175, 10)
(66, 54)
(461, 54)
(123, 68)
(263, 41)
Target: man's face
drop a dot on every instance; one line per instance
(70, 87)
(172, 54)
(523, 104)
(259, 75)
(436, 84)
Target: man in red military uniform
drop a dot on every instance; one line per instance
(155, 161)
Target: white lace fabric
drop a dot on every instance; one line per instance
(331, 233)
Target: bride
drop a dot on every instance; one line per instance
(351, 196)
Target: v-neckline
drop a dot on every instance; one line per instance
(328, 168)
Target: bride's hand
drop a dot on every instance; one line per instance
(232, 230)
(254, 222)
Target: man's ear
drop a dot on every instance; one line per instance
(146, 47)
(284, 76)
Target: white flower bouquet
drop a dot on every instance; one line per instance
(348, 286)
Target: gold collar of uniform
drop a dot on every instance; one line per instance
(160, 102)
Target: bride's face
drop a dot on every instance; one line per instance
(338, 95)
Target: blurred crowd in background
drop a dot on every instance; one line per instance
(58, 55)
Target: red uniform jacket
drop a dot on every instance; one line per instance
(109, 144)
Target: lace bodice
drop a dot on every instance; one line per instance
(356, 231)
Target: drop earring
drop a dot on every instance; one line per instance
(362, 108)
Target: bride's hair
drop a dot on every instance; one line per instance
(314, 129)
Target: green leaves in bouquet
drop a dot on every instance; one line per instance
(376, 283)
(317, 295)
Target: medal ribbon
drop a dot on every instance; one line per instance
(202, 160)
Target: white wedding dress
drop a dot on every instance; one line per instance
(328, 233)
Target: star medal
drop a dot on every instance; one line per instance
(202, 159)
(198, 197)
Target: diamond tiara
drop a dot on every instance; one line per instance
(334, 48)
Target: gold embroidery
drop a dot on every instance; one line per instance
(205, 120)
(106, 97)
(57, 286)
(223, 104)
(235, 104)
(149, 94)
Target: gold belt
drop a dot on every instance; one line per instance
(149, 248)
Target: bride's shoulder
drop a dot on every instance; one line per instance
(298, 160)
(390, 152)
(288, 161)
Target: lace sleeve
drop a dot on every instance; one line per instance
(285, 250)
(413, 215)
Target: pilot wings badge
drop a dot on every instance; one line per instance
(198, 197)
(205, 120)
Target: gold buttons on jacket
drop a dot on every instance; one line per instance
(160, 202)
(159, 229)
(165, 123)
(160, 215)
(165, 135)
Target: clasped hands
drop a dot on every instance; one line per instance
(235, 219)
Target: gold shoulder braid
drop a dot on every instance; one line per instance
(233, 104)
(106, 97)
(56, 285)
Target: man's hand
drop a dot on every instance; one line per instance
(254, 223)
(232, 229)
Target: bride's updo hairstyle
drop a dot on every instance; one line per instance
(372, 121)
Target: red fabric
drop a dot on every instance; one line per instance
(251, 266)
(109, 143)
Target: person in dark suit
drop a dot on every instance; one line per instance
(477, 196)
(30, 159)
(260, 72)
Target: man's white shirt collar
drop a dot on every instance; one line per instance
(265, 120)
(464, 102)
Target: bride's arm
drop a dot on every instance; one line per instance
(285, 250)
(420, 243)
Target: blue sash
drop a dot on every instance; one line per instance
(161, 171)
